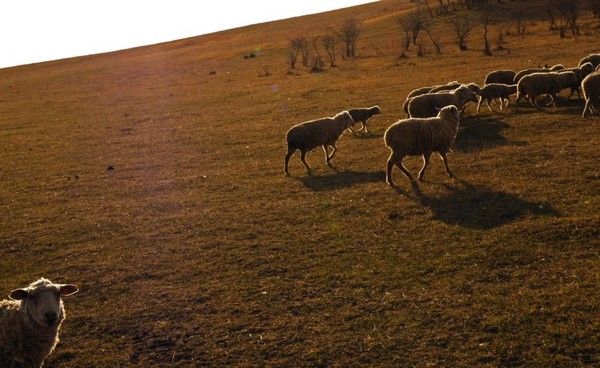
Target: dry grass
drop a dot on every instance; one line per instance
(197, 251)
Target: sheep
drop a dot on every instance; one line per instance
(537, 84)
(430, 89)
(591, 92)
(427, 105)
(421, 136)
(363, 114)
(591, 58)
(500, 76)
(493, 91)
(555, 68)
(30, 323)
(311, 134)
(528, 71)
(445, 87)
(581, 72)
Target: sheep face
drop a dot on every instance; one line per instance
(42, 302)
(466, 95)
(587, 68)
(348, 119)
(376, 110)
(449, 113)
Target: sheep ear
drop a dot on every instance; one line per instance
(68, 289)
(19, 294)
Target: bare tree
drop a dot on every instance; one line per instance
(550, 11)
(349, 34)
(329, 42)
(297, 44)
(570, 10)
(594, 7)
(317, 63)
(462, 28)
(520, 23)
(425, 3)
(485, 20)
(404, 24)
(438, 49)
(416, 22)
(500, 42)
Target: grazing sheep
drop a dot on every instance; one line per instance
(428, 105)
(445, 87)
(500, 76)
(430, 89)
(421, 136)
(591, 92)
(311, 134)
(581, 72)
(494, 91)
(363, 114)
(537, 84)
(419, 91)
(528, 71)
(30, 322)
(591, 58)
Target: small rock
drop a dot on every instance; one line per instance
(110, 168)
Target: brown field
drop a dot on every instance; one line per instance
(196, 250)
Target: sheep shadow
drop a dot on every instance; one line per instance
(478, 133)
(341, 179)
(478, 207)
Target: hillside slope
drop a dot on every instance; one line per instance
(196, 250)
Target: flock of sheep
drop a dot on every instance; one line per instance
(434, 112)
(30, 321)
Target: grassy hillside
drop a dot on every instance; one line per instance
(196, 250)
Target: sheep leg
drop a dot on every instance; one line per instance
(366, 128)
(289, 154)
(479, 104)
(326, 154)
(445, 159)
(303, 158)
(390, 165)
(553, 97)
(334, 150)
(585, 108)
(352, 130)
(487, 102)
(532, 102)
(362, 126)
(425, 163)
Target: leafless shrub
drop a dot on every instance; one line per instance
(349, 34)
(329, 42)
(462, 28)
(500, 42)
(485, 20)
(297, 44)
(317, 61)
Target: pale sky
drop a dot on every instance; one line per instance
(40, 30)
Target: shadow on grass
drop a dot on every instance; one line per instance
(477, 207)
(478, 133)
(341, 179)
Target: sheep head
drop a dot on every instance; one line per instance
(375, 110)
(42, 301)
(449, 113)
(465, 94)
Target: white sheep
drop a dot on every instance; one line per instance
(428, 105)
(537, 84)
(528, 71)
(591, 92)
(591, 58)
(311, 134)
(494, 91)
(581, 72)
(421, 136)
(30, 323)
(362, 115)
(430, 89)
(500, 76)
